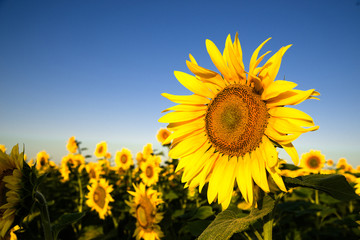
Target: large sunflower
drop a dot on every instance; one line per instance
(14, 189)
(143, 206)
(226, 130)
(99, 197)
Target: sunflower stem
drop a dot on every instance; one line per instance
(45, 217)
(81, 197)
(268, 226)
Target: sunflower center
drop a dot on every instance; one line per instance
(99, 196)
(149, 171)
(100, 150)
(145, 213)
(313, 162)
(92, 173)
(165, 135)
(123, 159)
(42, 161)
(236, 120)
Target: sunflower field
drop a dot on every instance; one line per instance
(218, 175)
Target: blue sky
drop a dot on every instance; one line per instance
(96, 69)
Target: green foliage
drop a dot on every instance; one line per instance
(332, 184)
(232, 220)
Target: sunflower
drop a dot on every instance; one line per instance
(123, 159)
(162, 135)
(143, 206)
(150, 171)
(330, 162)
(42, 160)
(2, 148)
(140, 159)
(147, 150)
(12, 182)
(312, 161)
(342, 165)
(71, 145)
(99, 197)
(227, 129)
(71, 161)
(93, 169)
(101, 149)
(357, 186)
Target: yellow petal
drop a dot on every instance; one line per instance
(187, 99)
(187, 146)
(193, 84)
(255, 55)
(217, 59)
(186, 108)
(187, 129)
(258, 170)
(269, 153)
(172, 117)
(278, 137)
(216, 178)
(228, 180)
(276, 88)
(291, 97)
(277, 179)
(289, 148)
(286, 112)
(240, 178)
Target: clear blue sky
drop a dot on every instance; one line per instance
(96, 69)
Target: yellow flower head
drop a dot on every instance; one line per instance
(357, 186)
(140, 159)
(147, 150)
(93, 169)
(143, 206)
(71, 161)
(224, 132)
(123, 159)
(329, 162)
(150, 171)
(312, 161)
(2, 148)
(42, 160)
(99, 197)
(11, 185)
(162, 135)
(71, 145)
(101, 150)
(342, 165)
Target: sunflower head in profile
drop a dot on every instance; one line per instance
(42, 160)
(99, 197)
(101, 150)
(150, 171)
(143, 206)
(226, 131)
(72, 145)
(123, 159)
(147, 150)
(162, 135)
(93, 169)
(16, 187)
(312, 161)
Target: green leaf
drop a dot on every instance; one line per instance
(230, 221)
(171, 196)
(64, 220)
(203, 213)
(333, 184)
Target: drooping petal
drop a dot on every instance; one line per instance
(276, 88)
(193, 84)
